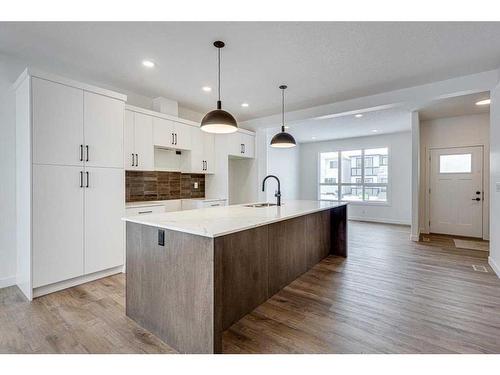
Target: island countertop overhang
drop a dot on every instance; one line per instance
(219, 221)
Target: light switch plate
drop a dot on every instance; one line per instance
(498, 187)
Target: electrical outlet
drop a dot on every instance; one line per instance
(196, 185)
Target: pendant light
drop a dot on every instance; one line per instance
(218, 120)
(283, 139)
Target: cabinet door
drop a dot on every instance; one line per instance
(163, 132)
(209, 152)
(103, 130)
(248, 142)
(104, 208)
(57, 224)
(57, 123)
(143, 142)
(197, 151)
(234, 144)
(183, 136)
(128, 141)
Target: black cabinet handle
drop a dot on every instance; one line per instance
(478, 192)
(87, 150)
(176, 138)
(133, 160)
(244, 148)
(172, 138)
(145, 212)
(476, 199)
(88, 179)
(81, 178)
(136, 160)
(81, 152)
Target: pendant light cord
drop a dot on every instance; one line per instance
(218, 72)
(282, 110)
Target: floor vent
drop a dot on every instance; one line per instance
(479, 268)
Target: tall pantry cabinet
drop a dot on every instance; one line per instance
(70, 182)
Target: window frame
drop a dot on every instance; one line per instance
(363, 185)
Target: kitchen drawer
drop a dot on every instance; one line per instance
(134, 211)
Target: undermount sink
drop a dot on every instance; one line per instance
(261, 205)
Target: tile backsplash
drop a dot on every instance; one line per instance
(151, 186)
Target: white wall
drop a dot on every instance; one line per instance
(471, 130)
(494, 258)
(398, 210)
(9, 70)
(284, 163)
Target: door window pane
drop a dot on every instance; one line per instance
(351, 166)
(456, 163)
(329, 192)
(329, 171)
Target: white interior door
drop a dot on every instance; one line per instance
(103, 129)
(104, 209)
(57, 224)
(456, 191)
(57, 123)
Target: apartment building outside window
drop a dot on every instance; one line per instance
(354, 175)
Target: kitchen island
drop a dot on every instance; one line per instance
(192, 274)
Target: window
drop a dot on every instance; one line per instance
(457, 163)
(354, 175)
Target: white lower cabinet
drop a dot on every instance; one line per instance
(77, 227)
(58, 213)
(104, 210)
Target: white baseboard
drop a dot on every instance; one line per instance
(47, 289)
(7, 281)
(415, 237)
(494, 266)
(378, 220)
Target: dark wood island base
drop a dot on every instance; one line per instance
(190, 290)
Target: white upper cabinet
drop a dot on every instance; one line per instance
(163, 132)
(171, 134)
(241, 144)
(182, 136)
(103, 128)
(138, 142)
(57, 123)
(128, 141)
(201, 158)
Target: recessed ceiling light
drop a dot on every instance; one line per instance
(287, 127)
(358, 115)
(374, 130)
(244, 105)
(148, 63)
(206, 88)
(313, 137)
(484, 102)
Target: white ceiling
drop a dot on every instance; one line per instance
(372, 123)
(456, 106)
(320, 62)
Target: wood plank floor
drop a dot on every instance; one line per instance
(390, 296)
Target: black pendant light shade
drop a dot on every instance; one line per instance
(218, 120)
(283, 139)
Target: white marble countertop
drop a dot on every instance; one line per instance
(219, 221)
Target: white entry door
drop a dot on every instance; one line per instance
(456, 191)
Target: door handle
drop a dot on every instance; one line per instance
(87, 150)
(81, 177)
(88, 179)
(136, 160)
(81, 152)
(476, 199)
